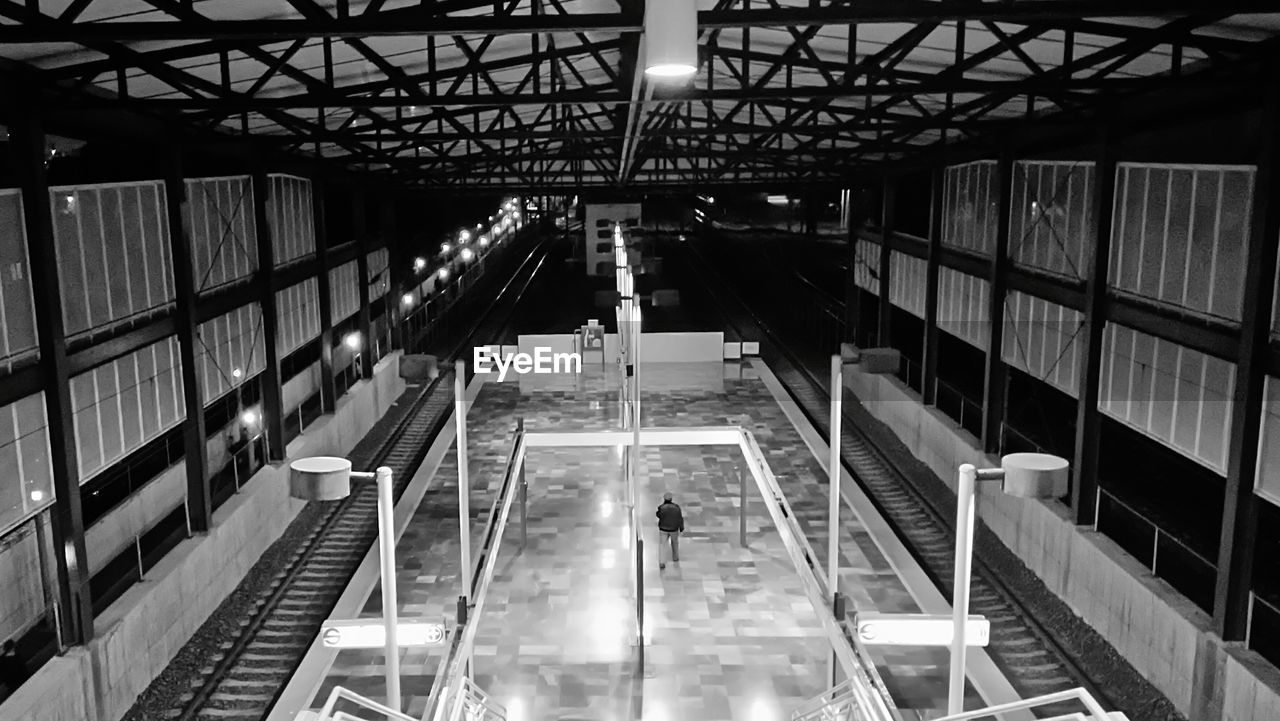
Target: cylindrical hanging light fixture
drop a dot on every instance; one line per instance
(671, 38)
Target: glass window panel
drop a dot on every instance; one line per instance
(96, 264)
(66, 231)
(1202, 240)
(1141, 380)
(131, 226)
(1268, 474)
(11, 503)
(116, 274)
(1124, 271)
(1187, 413)
(37, 475)
(1233, 238)
(1177, 259)
(1153, 232)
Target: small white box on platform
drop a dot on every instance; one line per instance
(732, 351)
(750, 348)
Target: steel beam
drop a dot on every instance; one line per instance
(995, 378)
(1239, 535)
(887, 218)
(929, 377)
(1084, 466)
(271, 389)
(427, 21)
(194, 435)
(324, 294)
(364, 322)
(75, 604)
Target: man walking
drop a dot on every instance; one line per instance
(670, 526)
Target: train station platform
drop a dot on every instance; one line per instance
(730, 635)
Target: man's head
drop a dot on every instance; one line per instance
(666, 497)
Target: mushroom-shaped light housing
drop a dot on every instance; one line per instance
(320, 478)
(1034, 475)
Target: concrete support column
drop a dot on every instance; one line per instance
(995, 376)
(1239, 538)
(1084, 464)
(272, 393)
(887, 219)
(364, 322)
(324, 294)
(194, 435)
(852, 293)
(928, 383)
(75, 605)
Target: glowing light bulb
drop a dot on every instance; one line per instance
(419, 263)
(37, 495)
(352, 340)
(407, 299)
(484, 241)
(249, 417)
(467, 255)
(443, 273)
(445, 247)
(236, 373)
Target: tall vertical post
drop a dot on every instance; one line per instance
(960, 601)
(887, 221)
(328, 391)
(397, 268)
(929, 379)
(464, 483)
(996, 375)
(833, 505)
(270, 385)
(27, 139)
(852, 293)
(1239, 539)
(195, 450)
(1084, 477)
(742, 506)
(387, 555)
(364, 321)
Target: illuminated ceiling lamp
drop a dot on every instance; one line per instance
(671, 38)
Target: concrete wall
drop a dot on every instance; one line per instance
(1166, 637)
(141, 632)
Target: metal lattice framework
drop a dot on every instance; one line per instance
(546, 93)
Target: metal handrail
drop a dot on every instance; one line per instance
(867, 696)
(1096, 712)
(342, 694)
(453, 664)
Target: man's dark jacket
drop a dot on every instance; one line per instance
(670, 519)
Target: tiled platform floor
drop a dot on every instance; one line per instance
(693, 396)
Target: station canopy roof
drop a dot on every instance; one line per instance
(546, 93)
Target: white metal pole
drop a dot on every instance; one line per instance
(387, 552)
(960, 603)
(464, 486)
(833, 515)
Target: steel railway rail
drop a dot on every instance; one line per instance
(1026, 652)
(251, 669)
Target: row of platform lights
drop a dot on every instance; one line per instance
(460, 251)
(327, 478)
(508, 217)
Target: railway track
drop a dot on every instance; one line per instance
(248, 671)
(1033, 661)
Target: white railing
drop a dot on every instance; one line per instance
(864, 698)
(835, 704)
(1093, 709)
(341, 694)
(472, 704)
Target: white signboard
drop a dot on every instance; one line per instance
(370, 633)
(917, 629)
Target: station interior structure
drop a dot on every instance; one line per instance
(819, 269)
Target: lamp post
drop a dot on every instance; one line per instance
(1025, 475)
(326, 478)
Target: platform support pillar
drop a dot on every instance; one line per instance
(73, 613)
(272, 416)
(364, 323)
(324, 292)
(929, 374)
(1239, 536)
(1084, 464)
(996, 376)
(887, 222)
